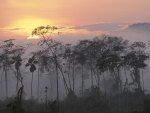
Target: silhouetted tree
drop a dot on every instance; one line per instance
(18, 51)
(32, 62)
(81, 59)
(135, 59)
(44, 64)
(111, 58)
(70, 62)
(7, 48)
(53, 49)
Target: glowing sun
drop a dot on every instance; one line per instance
(27, 25)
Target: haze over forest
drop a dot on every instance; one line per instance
(74, 56)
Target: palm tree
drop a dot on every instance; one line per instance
(32, 62)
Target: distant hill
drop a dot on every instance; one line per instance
(140, 27)
(112, 27)
(135, 32)
(101, 27)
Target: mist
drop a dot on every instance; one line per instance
(102, 62)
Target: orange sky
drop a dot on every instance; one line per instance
(23, 13)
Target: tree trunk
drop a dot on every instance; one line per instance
(137, 79)
(119, 80)
(17, 76)
(69, 77)
(82, 87)
(31, 84)
(143, 80)
(62, 73)
(57, 85)
(73, 78)
(6, 79)
(98, 79)
(58, 66)
(69, 80)
(91, 75)
(38, 87)
(2, 83)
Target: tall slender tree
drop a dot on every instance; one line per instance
(44, 65)
(53, 48)
(32, 63)
(7, 48)
(16, 59)
(81, 60)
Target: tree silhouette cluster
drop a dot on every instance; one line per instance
(95, 61)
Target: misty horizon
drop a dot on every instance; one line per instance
(74, 56)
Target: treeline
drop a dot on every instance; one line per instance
(96, 60)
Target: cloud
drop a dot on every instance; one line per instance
(134, 32)
(11, 29)
(102, 27)
(16, 29)
(141, 27)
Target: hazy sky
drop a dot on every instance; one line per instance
(29, 13)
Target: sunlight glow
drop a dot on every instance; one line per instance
(28, 24)
(33, 37)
